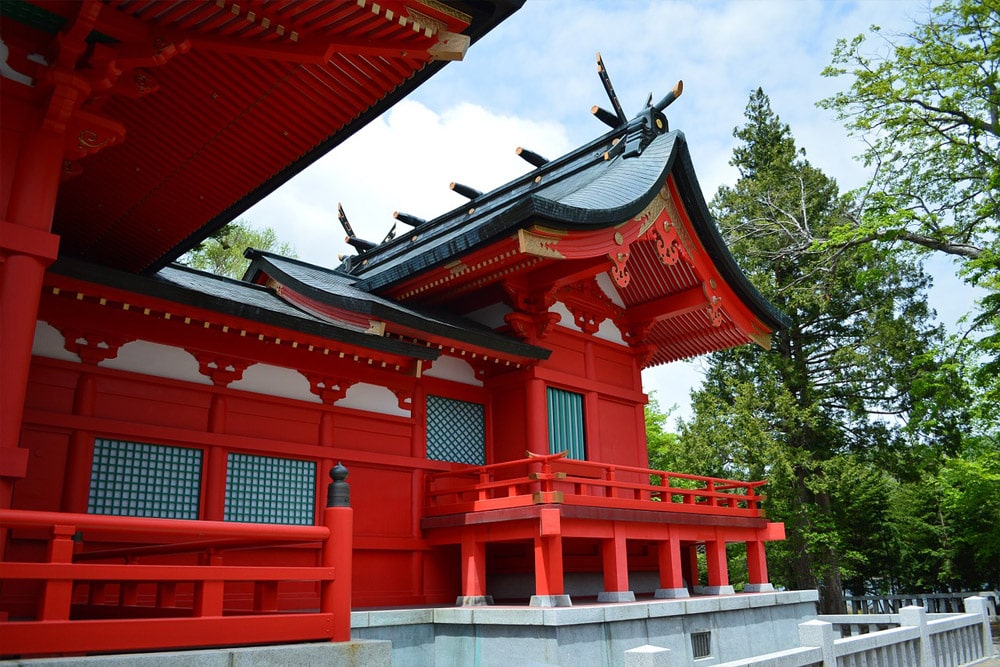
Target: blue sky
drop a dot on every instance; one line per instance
(532, 81)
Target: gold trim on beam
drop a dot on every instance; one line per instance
(530, 243)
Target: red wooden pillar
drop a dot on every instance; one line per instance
(54, 605)
(757, 568)
(690, 565)
(473, 568)
(79, 458)
(537, 416)
(614, 555)
(718, 566)
(549, 586)
(671, 571)
(26, 248)
(216, 462)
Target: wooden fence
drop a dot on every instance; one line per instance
(134, 596)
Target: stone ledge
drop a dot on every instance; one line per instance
(361, 653)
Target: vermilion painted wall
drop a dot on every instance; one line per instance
(384, 453)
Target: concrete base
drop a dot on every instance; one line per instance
(368, 653)
(758, 588)
(473, 600)
(591, 634)
(671, 593)
(616, 596)
(550, 601)
(714, 590)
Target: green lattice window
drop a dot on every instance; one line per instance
(566, 423)
(456, 431)
(267, 489)
(139, 479)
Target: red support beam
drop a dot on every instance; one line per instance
(473, 566)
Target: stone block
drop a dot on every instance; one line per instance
(701, 605)
(348, 654)
(558, 616)
(550, 601)
(400, 617)
(671, 593)
(667, 608)
(649, 656)
(731, 602)
(616, 596)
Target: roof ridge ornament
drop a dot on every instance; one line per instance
(643, 128)
(361, 245)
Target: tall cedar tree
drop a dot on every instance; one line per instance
(927, 104)
(836, 381)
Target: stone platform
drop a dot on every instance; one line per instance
(598, 634)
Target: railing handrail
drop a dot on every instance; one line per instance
(474, 470)
(111, 524)
(553, 478)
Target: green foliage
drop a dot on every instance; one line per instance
(927, 105)
(222, 253)
(826, 410)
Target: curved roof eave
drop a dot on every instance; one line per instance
(572, 193)
(340, 292)
(198, 289)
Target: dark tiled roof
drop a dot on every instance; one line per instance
(338, 289)
(579, 191)
(203, 290)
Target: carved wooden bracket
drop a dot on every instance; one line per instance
(531, 318)
(404, 398)
(528, 326)
(329, 389)
(589, 304)
(93, 348)
(714, 301)
(636, 332)
(219, 369)
(618, 271)
(669, 244)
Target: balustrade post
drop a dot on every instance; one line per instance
(820, 635)
(915, 616)
(58, 591)
(977, 605)
(208, 592)
(335, 596)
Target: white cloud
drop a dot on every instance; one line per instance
(532, 81)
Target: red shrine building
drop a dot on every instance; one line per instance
(169, 437)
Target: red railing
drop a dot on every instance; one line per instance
(133, 596)
(555, 479)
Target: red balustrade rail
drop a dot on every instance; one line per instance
(555, 479)
(135, 596)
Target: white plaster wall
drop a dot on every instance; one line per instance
(276, 381)
(608, 287)
(50, 343)
(372, 398)
(163, 361)
(454, 369)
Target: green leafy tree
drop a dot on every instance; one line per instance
(838, 380)
(928, 106)
(222, 253)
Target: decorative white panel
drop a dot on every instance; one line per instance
(608, 287)
(372, 398)
(275, 381)
(50, 343)
(163, 361)
(454, 369)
